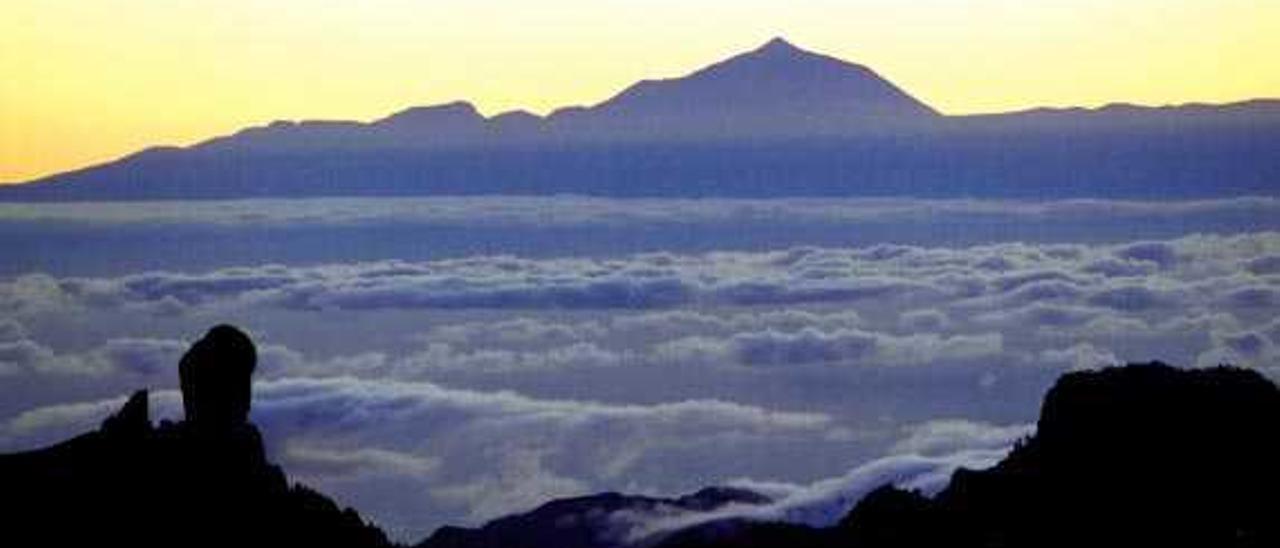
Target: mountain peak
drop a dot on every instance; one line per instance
(779, 45)
(777, 89)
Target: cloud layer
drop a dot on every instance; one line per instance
(577, 211)
(454, 390)
(480, 454)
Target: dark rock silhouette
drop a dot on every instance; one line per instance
(889, 516)
(201, 482)
(216, 374)
(741, 533)
(1144, 455)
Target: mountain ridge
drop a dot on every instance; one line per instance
(776, 121)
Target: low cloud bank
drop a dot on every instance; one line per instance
(455, 390)
(578, 211)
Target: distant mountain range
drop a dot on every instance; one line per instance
(775, 121)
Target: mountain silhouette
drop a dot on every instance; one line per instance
(584, 522)
(204, 481)
(1144, 455)
(776, 90)
(777, 121)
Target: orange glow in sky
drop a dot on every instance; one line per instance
(86, 81)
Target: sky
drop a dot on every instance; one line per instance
(87, 81)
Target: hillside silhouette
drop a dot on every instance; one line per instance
(204, 481)
(583, 522)
(776, 121)
(1143, 455)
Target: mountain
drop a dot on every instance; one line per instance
(777, 121)
(1144, 455)
(204, 481)
(596, 521)
(777, 90)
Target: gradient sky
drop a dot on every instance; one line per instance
(85, 81)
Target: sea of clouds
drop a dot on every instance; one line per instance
(427, 388)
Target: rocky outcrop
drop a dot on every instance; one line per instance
(1145, 455)
(216, 376)
(204, 481)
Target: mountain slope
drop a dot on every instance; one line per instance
(1144, 455)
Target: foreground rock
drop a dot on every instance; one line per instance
(1144, 455)
(204, 481)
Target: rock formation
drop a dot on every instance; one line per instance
(216, 377)
(204, 481)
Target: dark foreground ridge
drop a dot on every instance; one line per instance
(1143, 455)
(204, 481)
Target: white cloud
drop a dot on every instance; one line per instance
(520, 482)
(448, 444)
(908, 278)
(1080, 356)
(577, 211)
(924, 461)
(415, 378)
(338, 463)
(948, 436)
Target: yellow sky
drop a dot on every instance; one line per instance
(85, 81)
